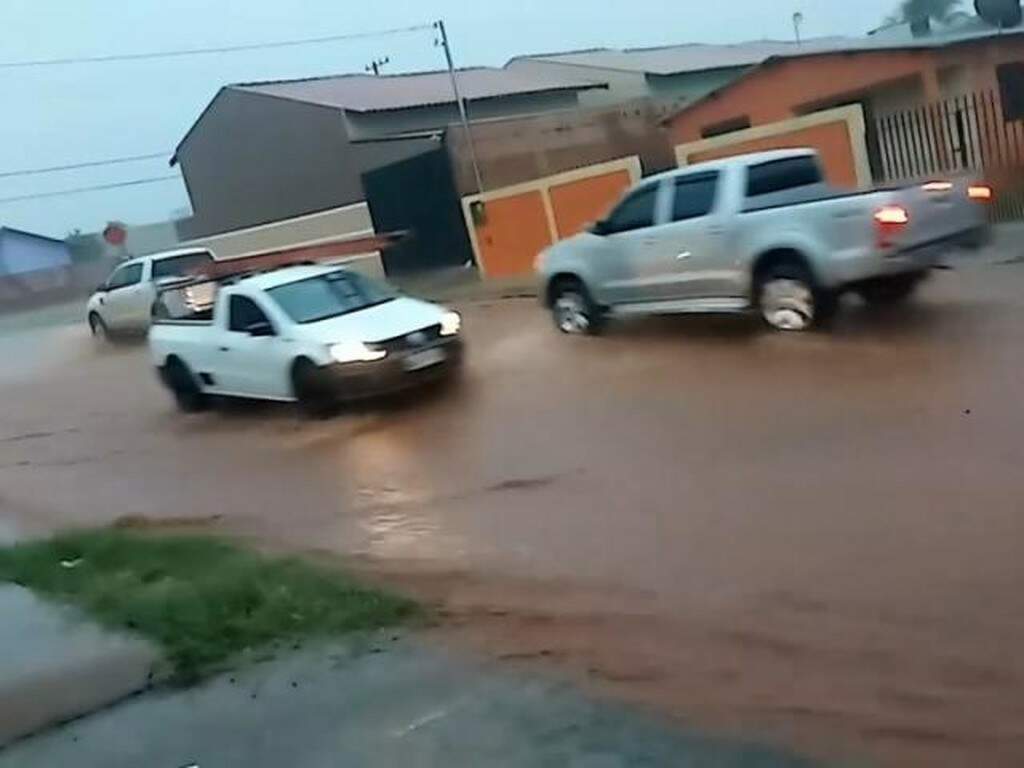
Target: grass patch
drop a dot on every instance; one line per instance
(202, 600)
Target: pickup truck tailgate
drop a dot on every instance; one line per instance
(937, 213)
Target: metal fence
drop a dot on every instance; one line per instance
(957, 135)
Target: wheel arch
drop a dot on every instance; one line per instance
(562, 277)
(780, 255)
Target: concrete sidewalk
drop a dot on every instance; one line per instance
(403, 705)
(55, 666)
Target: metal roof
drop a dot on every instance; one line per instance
(372, 93)
(690, 57)
(860, 46)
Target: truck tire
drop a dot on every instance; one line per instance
(315, 398)
(572, 309)
(187, 394)
(886, 291)
(788, 298)
(99, 329)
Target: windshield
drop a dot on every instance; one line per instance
(330, 295)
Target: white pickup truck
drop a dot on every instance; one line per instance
(313, 334)
(123, 303)
(756, 232)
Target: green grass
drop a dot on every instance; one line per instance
(202, 600)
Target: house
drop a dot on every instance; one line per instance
(776, 103)
(263, 152)
(669, 75)
(31, 264)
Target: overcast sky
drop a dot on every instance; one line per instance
(66, 114)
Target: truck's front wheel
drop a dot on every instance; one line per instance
(573, 310)
(312, 392)
(788, 299)
(187, 394)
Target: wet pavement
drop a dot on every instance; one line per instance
(814, 539)
(409, 706)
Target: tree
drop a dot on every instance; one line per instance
(919, 10)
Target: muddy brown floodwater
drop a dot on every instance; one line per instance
(816, 540)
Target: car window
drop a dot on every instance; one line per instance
(179, 266)
(130, 274)
(330, 295)
(635, 212)
(694, 196)
(780, 175)
(243, 313)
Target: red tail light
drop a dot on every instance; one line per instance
(981, 193)
(889, 220)
(937, 186)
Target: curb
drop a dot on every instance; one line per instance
(55, 666)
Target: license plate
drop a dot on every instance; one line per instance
(424, 359)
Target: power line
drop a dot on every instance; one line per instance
(96, 188)
(89, 164)
(221, 49)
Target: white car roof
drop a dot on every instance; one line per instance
(748, 159)
(285, 275)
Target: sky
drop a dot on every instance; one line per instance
(58, 115)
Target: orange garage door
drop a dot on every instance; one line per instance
(514, 232)
(581, 202)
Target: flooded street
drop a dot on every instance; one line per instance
(813, 539)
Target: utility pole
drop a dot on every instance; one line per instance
(443, 42)
(798, 20)
(375, 65)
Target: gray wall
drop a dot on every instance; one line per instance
(622, 86)
(368, 125)
(676, 90)
(255, 158)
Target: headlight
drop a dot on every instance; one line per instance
(451, 323)
(355, 352)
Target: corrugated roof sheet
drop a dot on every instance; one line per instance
(370, 93)
(692, 57)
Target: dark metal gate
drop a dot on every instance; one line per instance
(418, 195)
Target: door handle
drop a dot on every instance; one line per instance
(716, 231)
(683, 255)
(225, 349)
(650, 242)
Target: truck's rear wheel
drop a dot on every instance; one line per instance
(788, 299)
(187, 394)
(886, 291)
(573, 310)
(312, 392)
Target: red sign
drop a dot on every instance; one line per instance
(115, 233)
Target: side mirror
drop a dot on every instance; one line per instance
(260, 328)
(101, 288)
(600, 228)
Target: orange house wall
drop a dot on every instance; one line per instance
(832, 140)
(777, 91)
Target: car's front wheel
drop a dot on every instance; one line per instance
(573, 310)
(789, 300)
(98, 328)
(187, 394)
(314, 396)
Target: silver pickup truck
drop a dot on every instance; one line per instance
(760, 232)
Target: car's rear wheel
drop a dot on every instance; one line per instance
(573, 310)
(99, 329)
(187, 393)
(789, 300)
(886, 291)
(315, 397)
